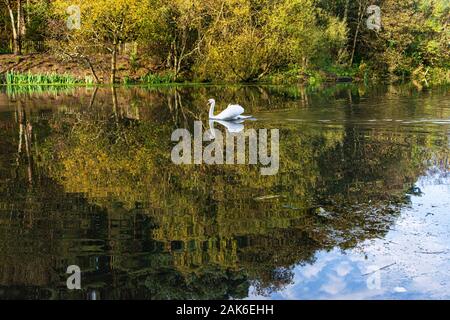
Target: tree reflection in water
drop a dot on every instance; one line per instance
(86, 179)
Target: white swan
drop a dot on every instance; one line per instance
(232, 112)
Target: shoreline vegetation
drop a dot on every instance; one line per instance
(154, 42)
(48, 79)
(52, 71)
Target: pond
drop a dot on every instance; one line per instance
(356, 209)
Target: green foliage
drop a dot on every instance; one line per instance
(249, 43)
(280, 41)
(13, 78)
(14, 91)
(413, 41)
(38, 13)
(154, 78)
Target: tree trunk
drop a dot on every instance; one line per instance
(21, 19)
(16, 39)
(360, 17)
(91, 67)
(114, 62)
(19, 30)
(115, 103)
(175, 59)
(17, 46)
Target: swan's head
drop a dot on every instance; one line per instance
(211, 101)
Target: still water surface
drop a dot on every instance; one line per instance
(359, 208)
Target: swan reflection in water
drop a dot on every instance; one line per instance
(231, 126)
(235, 145)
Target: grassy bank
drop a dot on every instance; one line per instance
(329, 74)
(15, 78)
(48, 69)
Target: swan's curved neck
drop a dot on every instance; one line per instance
(211, 110)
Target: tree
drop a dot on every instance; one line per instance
(17, 24)
(412, 42)
(178, 28)
(251, 39)
(105, 24)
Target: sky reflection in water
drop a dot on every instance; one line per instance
(416, 253)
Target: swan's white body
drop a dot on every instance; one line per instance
(232, 112)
